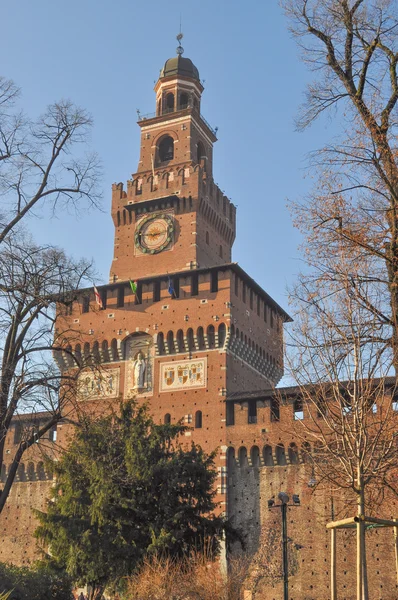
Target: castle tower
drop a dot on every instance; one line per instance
(172, 216)
(199, 340)
(180, 326)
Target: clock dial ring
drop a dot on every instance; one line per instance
(154, 233)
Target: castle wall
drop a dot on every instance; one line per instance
(266, 457)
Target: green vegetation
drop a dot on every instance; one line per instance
(127, 489)
(36, 583)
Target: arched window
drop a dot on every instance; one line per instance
(78, 354)
(96, 353)
(160, 341)
(21, 473)
(183, 100)
(200, 154)
(105, 352)
(198, 419)
(190, 340)
(231, 463)
(114, 351)
(41, 474)
(86, 351)
(166, 149)
(293, 454)
(201, 339)
(31, 471)
(169, 102)
(255, 456)
(180, 341)
(170, 343)
(306, 452)
(211, 338)
(280, 455)
(221, 335)
(242, 456)
(267, 456)
(167, 419)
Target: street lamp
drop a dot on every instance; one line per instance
(284, 503)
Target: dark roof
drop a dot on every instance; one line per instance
(259, 394)
(294, 390)
(178, 65)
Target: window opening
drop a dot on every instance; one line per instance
(169, 103)
(275, 409)
(156, 291)
(103, 294)
(252, 412)
(198, 419)
(86, 304)
(298, 409)
(120, 297)
(170, 343)
(166, 149)
(201, 339)
(230, 413)
(222, 331)
(211, 336)
(167, 419)
(194, 284)
(214, 281)
(183, 101)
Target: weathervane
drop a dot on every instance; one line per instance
(180, 49)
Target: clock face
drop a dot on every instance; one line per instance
(154, 233)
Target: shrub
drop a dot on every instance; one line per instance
(195, 578)
(35, 583)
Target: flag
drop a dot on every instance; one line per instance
(171, 288)
(98, 298)
(133, 285)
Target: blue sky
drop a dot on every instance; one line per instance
(105, 56)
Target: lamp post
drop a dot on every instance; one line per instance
(284, 503)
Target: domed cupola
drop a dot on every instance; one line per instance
(178, 86)
(178, 65)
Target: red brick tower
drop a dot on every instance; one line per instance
(197, 327)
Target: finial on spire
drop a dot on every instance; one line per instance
(180, 49)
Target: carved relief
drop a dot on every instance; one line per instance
(183, 374)
(95, 384)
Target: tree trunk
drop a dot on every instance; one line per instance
(362, 576)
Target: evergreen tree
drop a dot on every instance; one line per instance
(126, 488)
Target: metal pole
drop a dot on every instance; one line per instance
(284, 549)
(396, 547)
(333, 581)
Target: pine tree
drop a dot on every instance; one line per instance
(124, 489)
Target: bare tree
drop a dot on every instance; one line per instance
(36, 161)
(44, 163)
(34, 281)
(352, 47)
(340, 365)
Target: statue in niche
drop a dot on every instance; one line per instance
(139, 369)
